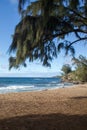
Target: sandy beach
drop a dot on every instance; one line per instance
(59, 109)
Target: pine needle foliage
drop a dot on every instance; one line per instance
(42, 21)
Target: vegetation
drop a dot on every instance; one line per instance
(81, 68)
(66, 69)
(42, 21)
(80, 72)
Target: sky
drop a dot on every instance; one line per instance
(9, 17)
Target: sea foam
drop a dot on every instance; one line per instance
(14, 88)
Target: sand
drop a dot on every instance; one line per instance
(59, 109)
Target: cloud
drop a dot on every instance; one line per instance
(3, 66)
(2, 55)
(68, 60)
(13, 1)
(10, 74)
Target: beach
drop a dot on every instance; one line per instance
(58, 109)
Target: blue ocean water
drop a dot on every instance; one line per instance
(8, 85)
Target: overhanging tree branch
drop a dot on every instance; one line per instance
(78, 40)
(44, 21)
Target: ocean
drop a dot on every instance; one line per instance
(9, 85)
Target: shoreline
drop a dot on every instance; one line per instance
(58, 109)
(48, 89)
(14, 87)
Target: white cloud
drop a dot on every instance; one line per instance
(16, 74)
(2, 55)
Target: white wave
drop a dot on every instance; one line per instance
(14, 87)
(37, 79)
(53, 82)
(60, 84)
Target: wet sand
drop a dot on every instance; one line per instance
(59, 109)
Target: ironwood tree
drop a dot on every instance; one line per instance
(43, 21)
